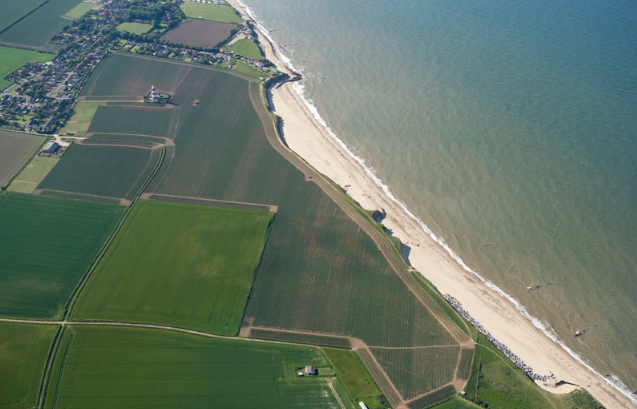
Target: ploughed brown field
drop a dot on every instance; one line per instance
(199, 33)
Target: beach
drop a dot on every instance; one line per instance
(310, 138)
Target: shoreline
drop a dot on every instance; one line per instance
(307, 134)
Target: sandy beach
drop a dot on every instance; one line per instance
(310, 139)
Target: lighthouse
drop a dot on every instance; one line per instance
(155, 97)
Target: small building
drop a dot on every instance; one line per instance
(362, 405)
(50, 147)
(311, 370)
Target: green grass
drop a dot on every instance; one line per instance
(108, 367)
(246, 69)
(81, 119)
(353, 376)
(135, 28)
(103, 170)
(23, 352)
(12, 58)
(36, 29)
(46, 246)
(15, 150)
(211, 12)
(180, 265)
(32, 174)
(247, 48)
(12, 10)
(457, 403)
(79, 10)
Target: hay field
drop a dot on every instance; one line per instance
(84, 112)
(32, 174)
(12, 10)
(199, 33)
(108, 367)
(81, 9)
(46, 246)
(15, 150)
(12, 58)
(36, 29)
(23, 352)
(211, 12)
(179, 265)
(247, 48)
(117, 171)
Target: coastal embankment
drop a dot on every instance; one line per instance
(507, 322)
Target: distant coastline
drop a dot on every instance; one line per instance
(373, 194)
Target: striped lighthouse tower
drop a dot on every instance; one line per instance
(153, 94)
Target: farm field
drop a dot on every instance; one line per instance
(46, 246)
(247, 48)
(142, 119)
(32, 174)
(23, 352)
(211, 12)
(122, 76)
(179, 265)
(36, 29)
(111, 367)
(328, 275)
(81, 119)
(116, 171)
(15, 150)
(199, 33)
(353, 376)
(14, 9)
(81, 9)
(457, 403)
(12, 58)
(418, 371)
(135, 28)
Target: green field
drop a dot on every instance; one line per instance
(107, 367)
(12, 58)
(135, 28)
(326, 272)
(211, 12)
(23, 352)
(79, 10)
(32, 174)
(457, 403)
(103, 170)
(247, 48)
(81, 119)
(15, 150)
(180, 265)
(46, 246)
(142, 119)
(14, 9)
(353, 376)
(246, 69)
(36, 29)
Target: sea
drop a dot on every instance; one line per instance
(508, 128)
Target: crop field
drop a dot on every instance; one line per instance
(457, 403)
(15, 150)
(156, 120)
(109, 367)
(36, 29)
(46, 246)
(326, 273)
(179, 265)
(211, 12)
(466, 360)
(23, 352)
(12, 10)
(122, 76)
(418, 371)
(435, 398)
(135, 28)
(199, 33)
(247, 48)
(32, 174)
(117, 171)
(12, 58)
(301, 338)
(81, 9)
(81, 119)
(352, 374)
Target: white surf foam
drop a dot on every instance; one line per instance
(299, 88)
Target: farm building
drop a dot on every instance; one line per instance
(50, 147)
(311, 370)
(362, 405)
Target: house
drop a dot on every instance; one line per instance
(311, 370)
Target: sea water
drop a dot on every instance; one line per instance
(509, 128)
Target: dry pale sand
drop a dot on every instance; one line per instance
(311, 141)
